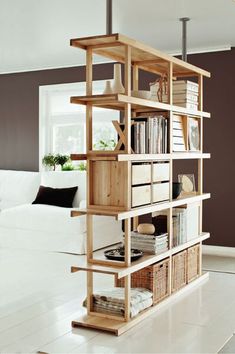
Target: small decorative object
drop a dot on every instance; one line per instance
(118, 254)
(188, 184)
(193, 134)
(108, 88)
(147, 229)
(158, 89)
(176, 189)
(117, 86)
(142, 94)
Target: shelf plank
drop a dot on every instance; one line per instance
(122, 215)
(173, 156)
(150, 59)
(112, 155)
(118, 101)
(203, 237)
(161, 206)
(143, 262)
(118, 327)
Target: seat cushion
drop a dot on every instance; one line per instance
(41, 218)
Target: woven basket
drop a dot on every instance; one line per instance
(193, 261)
(179, 267)
(154, 277)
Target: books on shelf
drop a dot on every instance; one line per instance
(149, 135)
(186, 104)
(184, 221)
(179, 141)
(185, 94)
(185, 86)
(179, 226)
(153, 244)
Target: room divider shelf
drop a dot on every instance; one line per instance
(116, 179)
(118, 101)
(144, 261)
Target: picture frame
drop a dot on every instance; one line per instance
(193, 134)
(188, 184)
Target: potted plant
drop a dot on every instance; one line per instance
(68, 166)
(61, 160)
(105, 145)
(49, 161)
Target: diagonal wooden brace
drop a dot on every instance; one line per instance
(121, 134)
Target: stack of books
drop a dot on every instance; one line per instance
(179, 139)
(153, 244)
(149, 135)
(179, 226)
(185, 94)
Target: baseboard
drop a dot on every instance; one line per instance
(218, 251)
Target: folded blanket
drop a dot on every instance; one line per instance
(108, 307)
(113, 301)
(117, 295)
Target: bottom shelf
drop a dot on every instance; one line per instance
(118, 327)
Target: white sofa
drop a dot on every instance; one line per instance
(45, 227)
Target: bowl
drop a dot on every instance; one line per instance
(142, 94)
(118, 254)
(176, 189)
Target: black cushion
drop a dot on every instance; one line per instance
(62, 197)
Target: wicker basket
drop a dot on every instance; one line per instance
(179, 267)
(154, 277)
(193, 261)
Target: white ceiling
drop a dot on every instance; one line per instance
(34, 34)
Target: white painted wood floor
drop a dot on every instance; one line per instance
(39, 298)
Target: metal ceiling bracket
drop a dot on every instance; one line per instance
(109, 17)
(184, 21)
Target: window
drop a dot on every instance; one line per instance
(62, 126)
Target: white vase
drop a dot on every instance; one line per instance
(117, 86)
(108, 88)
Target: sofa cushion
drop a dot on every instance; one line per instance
(5, 204)
(61, 197)
(65, 179)
(18, 187)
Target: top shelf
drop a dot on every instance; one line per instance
(146, 57)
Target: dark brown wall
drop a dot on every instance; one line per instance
(219, 140)
(19, 130)
(19, 105)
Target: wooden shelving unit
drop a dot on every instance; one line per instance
(113, 177)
